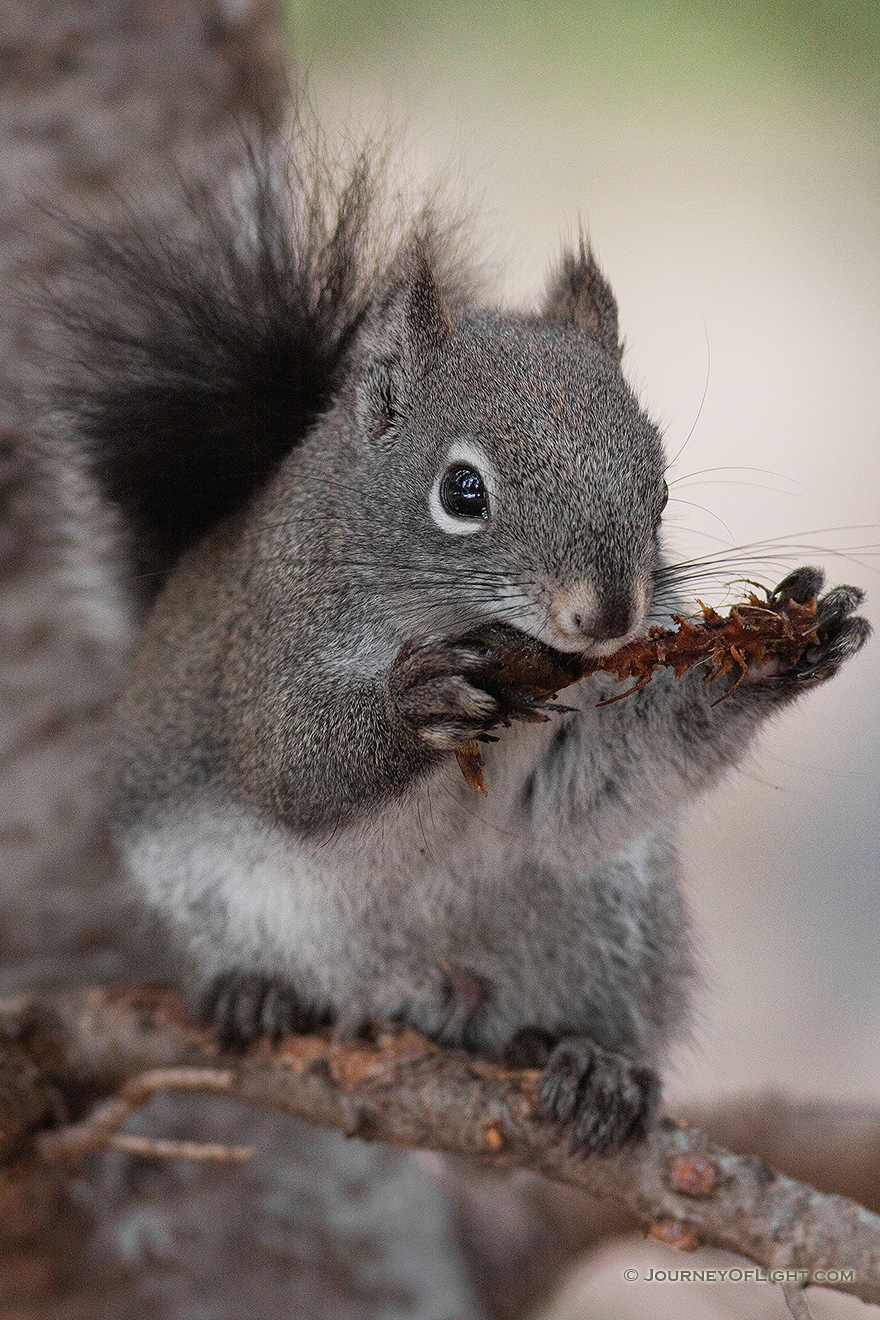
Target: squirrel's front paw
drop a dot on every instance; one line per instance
(437, 688)
(841, 632)
(239, 1006)
(601, 1100)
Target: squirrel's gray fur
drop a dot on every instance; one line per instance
(285, 790)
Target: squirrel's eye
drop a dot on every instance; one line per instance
(462, 492)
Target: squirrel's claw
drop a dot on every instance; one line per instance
(800, 586)
(534, 710)
(241, 1006)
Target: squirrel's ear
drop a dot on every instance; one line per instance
(580, 295)
(408, 329)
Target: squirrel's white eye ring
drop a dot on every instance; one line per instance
(463, 493)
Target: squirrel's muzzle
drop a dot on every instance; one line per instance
(596, 622)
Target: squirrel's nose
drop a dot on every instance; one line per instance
(615, 617)
(591, 619)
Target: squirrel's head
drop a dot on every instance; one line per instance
(515, 473)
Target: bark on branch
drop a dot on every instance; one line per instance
(76, 1061)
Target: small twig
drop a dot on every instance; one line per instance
(140, 1088)
(99, 1130)
(796, 1301)
(161, 1148)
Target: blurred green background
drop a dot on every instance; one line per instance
(668, 47)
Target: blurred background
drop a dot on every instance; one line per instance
(725, 161)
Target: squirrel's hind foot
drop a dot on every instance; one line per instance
(239, 1006)
(601, 1100)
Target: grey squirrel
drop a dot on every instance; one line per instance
(332, 464)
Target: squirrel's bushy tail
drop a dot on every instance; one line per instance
(197, 355)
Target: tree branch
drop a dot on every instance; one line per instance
(521, 1237)
(79, 1053)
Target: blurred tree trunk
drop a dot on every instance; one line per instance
(99, 99)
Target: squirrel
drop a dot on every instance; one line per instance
(332, 462)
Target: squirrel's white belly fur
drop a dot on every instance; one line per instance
(453, 890)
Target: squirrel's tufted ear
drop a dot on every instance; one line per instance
(580, 295)
(408, 328)
(420, 306)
